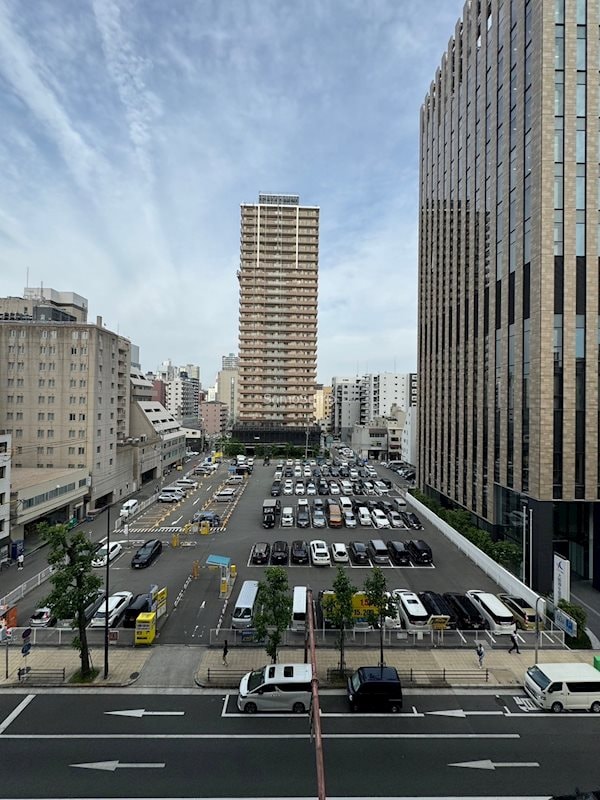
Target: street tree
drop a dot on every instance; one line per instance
(382, 603)
(338, 609)
(274, 605)
(74, 582)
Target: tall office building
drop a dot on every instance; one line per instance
(278, 277)
(508, 278)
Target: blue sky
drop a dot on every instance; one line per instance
(132, 130)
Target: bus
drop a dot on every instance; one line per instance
(276, 687)
(564, 686)
(498, 617)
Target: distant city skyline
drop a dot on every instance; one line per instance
(133, 132)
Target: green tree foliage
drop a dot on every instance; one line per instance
(338, 609)
(378, 596)
(73, 580)
(275, 609)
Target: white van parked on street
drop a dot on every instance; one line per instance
(129, 508)
(276, 687)
(564, 687)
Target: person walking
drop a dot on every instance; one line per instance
(515, 644)
(225, 651)
(20, 561)
(480, 654)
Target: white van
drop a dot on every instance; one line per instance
(345, 503)
(568, 686)
(243, 612)
(276, 687)
(499, 618)
(287, 517)
(225, 495)
(129, 508)
(346, 486)
(364, 518)
(299, 608)
(411, 610)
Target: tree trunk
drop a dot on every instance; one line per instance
(342, 649)
(84, 652)
(381, 642)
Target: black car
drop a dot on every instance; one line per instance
(386, 482)
(146, 554)
(279, 553)
(358, 553)
(420, 552)
(386, 506)
(302, 517)
(323, 487)
(416, 523)
(299, 552)
(406, 519)
(207, 516)
(398, 553)
(260, 553)
(276, 489)
(317, 503)
(356, 487)
(437, 605)
(467, 613)
(378, 552)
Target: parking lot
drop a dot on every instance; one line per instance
(193, 604)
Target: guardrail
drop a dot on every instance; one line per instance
(27, 586)
(428, 677)
(50, 677)
(226, 678)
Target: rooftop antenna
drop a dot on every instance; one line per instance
(27, 279)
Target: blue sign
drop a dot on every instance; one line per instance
(565, 622)
(26, 648)
(26, 633)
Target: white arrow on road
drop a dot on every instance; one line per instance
(488, 764)
(111, 766)
(141, 712)
(458, 712)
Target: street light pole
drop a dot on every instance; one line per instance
(107, 582)
(524, 548)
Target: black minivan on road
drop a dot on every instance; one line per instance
(375, 689)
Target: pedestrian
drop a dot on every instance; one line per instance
(225, 651)
(480, 655)
(20, 561)
(515, 644)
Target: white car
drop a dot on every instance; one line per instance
(380, 488)
(339, 553)
(311, 489)
(187, 483)
(334, 488)
(115, 607)
(319, 553)
(364, 517)
(379, 519)
(307, 472)
(299, 488)
(100, 556)
(288, 487)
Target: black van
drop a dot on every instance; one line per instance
(438, 606)
(139, 605)
(375, 689)
(467, 613)
(419, 551)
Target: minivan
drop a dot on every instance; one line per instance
(243, 611)
(375, 689)
(129, 508)
(378, 552)
(438, 606)
(139, 605)
(276, 687)
(468, 616)
(299, 608)
(364, 518)
(419, 551)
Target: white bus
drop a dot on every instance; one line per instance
(498, 617)
(568, 686)
(243, 612)
(276, 687)
(299, 609)
(411, 610)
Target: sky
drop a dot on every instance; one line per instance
(132, 130)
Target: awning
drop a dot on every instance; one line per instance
(218, 561)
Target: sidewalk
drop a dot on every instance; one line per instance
(180, 666)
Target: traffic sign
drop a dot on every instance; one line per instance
(565, 622)
(26, 648)
(26, 633)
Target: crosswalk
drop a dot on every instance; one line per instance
(525, 703)
(172, 529)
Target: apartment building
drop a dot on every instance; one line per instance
(5, 477)
(278, 276)
(182, 398)
(214, 416)
(508, 279)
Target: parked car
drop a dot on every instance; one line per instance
(334, 488)
(104, 552)
(141, 604)
(323, 488)
(42, 617)
(114, 607)
(302, 515)
(299, 552)
(415, 522)
(358, 553)
(420, 552)
(170, 497)
(522, 612)
(311, 489)
(349, 519)
(288, 487)
(319, 553)
(398, 553)
(276, 489)
(437, 605)
(260, 553)
(318, 519)
(211, 517)
(378, 552)
(187, 483)
(396, 520)
(467, 614)
(379, 519)
(279, 552)
(146, 554)
(339, 553)
(299, 488)
(364, 517)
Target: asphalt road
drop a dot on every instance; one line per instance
(199, 609)
(185, 745)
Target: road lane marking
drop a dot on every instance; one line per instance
(15, 712)
(111, 766)
(175, 521)
(141, 712)
(459, 713)
(487, 763)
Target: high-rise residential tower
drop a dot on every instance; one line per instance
(508, 279)
(279, 261)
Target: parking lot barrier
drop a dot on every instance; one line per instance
(175, 540)
(195, 569)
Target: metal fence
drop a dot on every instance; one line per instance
(57, 637)
(27, 586)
